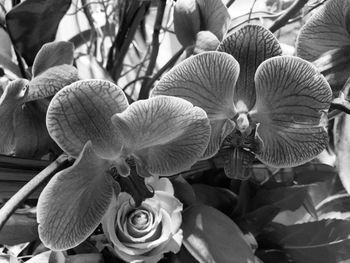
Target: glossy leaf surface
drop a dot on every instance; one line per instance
(207, 80)
(81, 112)
(165, 134)
(73, 203)
(211, 236)
(292, 99)
(250, 46)
(53, 54)
(327, 29)
(34, 23)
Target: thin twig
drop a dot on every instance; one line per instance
(11, 205)
(144, 91)
(291, 11)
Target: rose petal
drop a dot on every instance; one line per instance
(327, 29)
(207, 80)
(292, 99)
(250, 45)
(81, 112)
(186, 21)
(165, 134)
(51, 81)
(73, 203)
(53, 54)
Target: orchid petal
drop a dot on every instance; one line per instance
(12, 97)
(214, 17)
(81, 112)
(292, 99)
(51, 81)
(53, 54)
(205, 41)
(250, 45)
(165, 134)
(206, 80)
(327, 29)
(186, 21)
(73, 203)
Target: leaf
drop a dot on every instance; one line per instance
(20, 228)
(51, 55)
(81, 112)
(74, 201)
(166, 135)
(250, 46)
(206, 80)
(183, 191)
(273, 256)
(327, 29)
(220, 198)
(335, 206)
(211, 236)
(321, 241)
(34, 23)
(186, 21)
(51, 81)
(291, 104)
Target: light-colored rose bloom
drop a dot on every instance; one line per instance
(145, 233)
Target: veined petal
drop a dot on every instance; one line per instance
(186, 21)
(81, 112)
(206, 80)
(53, 54)
(73, 203)
(214, 17)
(291, 103)
(51, 81)
(327, 29)
(165, 134)
(250, 45)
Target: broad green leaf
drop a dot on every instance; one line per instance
(321, 241)
(74, 201)
(166, 135)
(183, 191)
(51, 81)
(207, 80)
(81, 112)
(186, 21)
(33, 23)
(211, 236)
(291, 105)
(250, 46)
(53, 54)
(335, 206)
(327, 29)
(12, 97)
(214, 17)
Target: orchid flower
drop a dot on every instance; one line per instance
(325, 40)
(201, 23)
(278, 102)
(22, 108)
(92, 121)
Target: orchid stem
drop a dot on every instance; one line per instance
(291, 11)
(12, 204)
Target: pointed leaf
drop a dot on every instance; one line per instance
(53, 54)
(34, 23)
(327, 29)
(167, 135)
(250, 45)
(292, 100)
(206, 80)
(186, 21)
(10, 100)
(51, 81)
(214, 17)
(211, 236)
(73, 203)
(81, 112)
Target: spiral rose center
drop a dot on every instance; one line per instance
(139, 218)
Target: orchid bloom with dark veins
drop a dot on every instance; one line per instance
(247, 89)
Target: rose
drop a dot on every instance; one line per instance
(145, 233)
